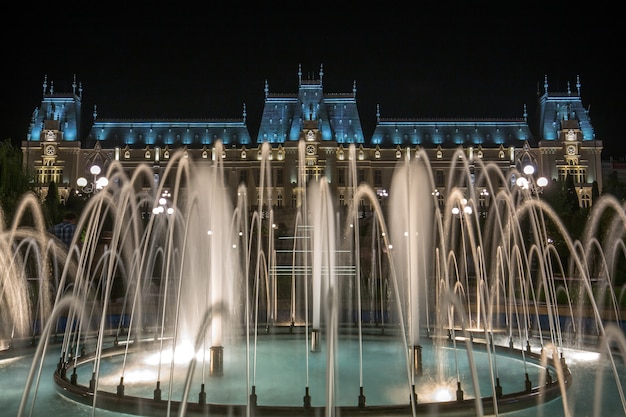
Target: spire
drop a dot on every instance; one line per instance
(299, 75)
(378, 113)
(569, 89)
(545, 84)
(525, 113)
(45, 84)
(245, 113)
(354, 88)
(321, 73)
(80, 90)
(74, 85)
(578, 84)
(95, 112)
(267, 89)
(51, 87)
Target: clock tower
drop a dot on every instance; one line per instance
(310, 135)
(52, 143)
(571, 144)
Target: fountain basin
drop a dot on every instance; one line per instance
(281, 380)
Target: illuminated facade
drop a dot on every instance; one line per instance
(61, 148)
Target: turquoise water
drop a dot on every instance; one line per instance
(277, 382)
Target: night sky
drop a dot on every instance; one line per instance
(449, 60)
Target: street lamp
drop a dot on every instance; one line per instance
(163, 206)
(96, 185)
(536, 187)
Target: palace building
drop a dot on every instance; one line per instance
(61, 147)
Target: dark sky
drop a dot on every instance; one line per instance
(440, 59)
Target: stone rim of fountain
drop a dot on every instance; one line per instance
(110, 401)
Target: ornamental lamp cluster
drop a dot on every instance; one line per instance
(97, 184)
(526, 182)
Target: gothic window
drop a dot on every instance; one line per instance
(378, 178)
(341, 176)
(585, 201)
(361, 176)
(439, 178)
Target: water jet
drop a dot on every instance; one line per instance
(410, 308)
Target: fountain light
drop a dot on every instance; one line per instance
(443, 394)
(183, 354)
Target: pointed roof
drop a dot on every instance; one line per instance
(335, 114)
(561, 111)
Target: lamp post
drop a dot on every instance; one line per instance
(528, 182)
(94, 186)
(163, 206)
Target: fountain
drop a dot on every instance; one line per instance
(207, 308)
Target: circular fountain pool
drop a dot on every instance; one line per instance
(286, 378)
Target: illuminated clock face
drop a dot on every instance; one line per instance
(50, 150)
(571, 135)
(310, 135)
(571, 150)
(310, 149)
(50, 135)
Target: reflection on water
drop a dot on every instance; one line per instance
(581, 397)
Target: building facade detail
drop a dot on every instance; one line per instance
(317, 129)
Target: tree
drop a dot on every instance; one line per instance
(52, 204)
(613, 186)
(572, 205)
(595, 192)
(15, 181)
